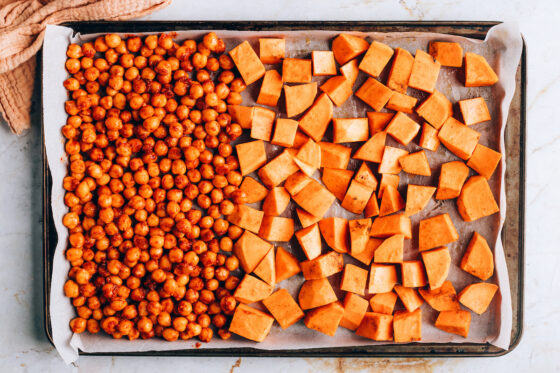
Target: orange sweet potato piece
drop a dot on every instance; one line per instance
(446, 53)
(424, 72)
(296, 70)
(484, 160)
(242, 115)
(323, 63)
(305, 218)
(443, 298)
(376, 326)
(372, 207)
(376, 58)
(338, 88)
(316, 293)
(300, 139)
(378, 121)
(403, 128)
(247, 62)
(266, 269)
(356, 198)
(436, 109)
(476, 199)
(310, 241)
(284, 308)
(474, 111)
(246, 217)
(359, 234)
(251, 156)
(350, 130)
(346, 47)
(409, 297)
(335, 232)
(401, 103)
(372, 150)
(325, 319)
(286, 265)
(350, 71)
(254, 190)
(276, 201)
(365, 176)
(355, 308)
(322, 266)
(263, 121)
(296, 182)
(417, 197)
(478, 259)
(456, 322)
(436, 231)
(354, 279)
(284, 132)
(314, 198)
(299, 98)
(337, 180)
(416, 164)
(391, 201)
(374, 93)
(400, 70)
(334, 155)
(429, 138)
(366, 256)
(386, 180)
(477, 297)
(407, 326)
(250, 249)
(271, 89)
(251, 290)
(316, 120)
(310, 155)
(383, 303)
(437, 264)
(390, 160)
(385, 226)
(382, 278)
(390, 251)
(277, 228)
(278, 170)
(478, 72)
(271, 50)
(413, 275)
(458, 138)
(251, 323)
(451, 179)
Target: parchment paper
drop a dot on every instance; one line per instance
(502, 48)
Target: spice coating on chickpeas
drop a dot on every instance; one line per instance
(151, 179)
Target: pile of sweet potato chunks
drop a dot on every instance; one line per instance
(376, 243)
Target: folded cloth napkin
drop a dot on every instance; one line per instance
(22, 29)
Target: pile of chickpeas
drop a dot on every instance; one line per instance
(151, 178)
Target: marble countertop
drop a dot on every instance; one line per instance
(23, 346)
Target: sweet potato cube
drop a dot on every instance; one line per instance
(325, 319)
(305, 218)
(478, 72)
(385, 226)
(366, 256)
(451, 179)
(376, 326)
(390, 160)
(316, 293)
(437, 264)
(416, 164)
(247, 62)
(436, 109)
(355, 308)
(407, 326)
(263, 121)
(436, 231)
(484, 160)
(334, 155)
(284, 308)
(300, 139)
(456, 322)
(357, 197)
(277, 228)
(250, 249)
(337, 180)
(247, 218)
(299, 98)
(400, 70)
(378, 121)
(284, 132)
(322, 266)
(376, 58)
(296, 70)
(323, 63)
(413, 275)
(409, 297)
(350, 71)
(374, 93)
(417, 197)
(477, 297)
(429, 138)
(383, 303)
(424, 72)
(391, 201)
(476, 199)
(478, 259)
(251, 156)
(251, 323)
(403, 128)
(278, 170)
(310, 241)
(382, 278)
(254, 190)
(386, 180)
(242, 115)
(271, 89)
(336, 233)
(359, 234)
(372, 207)
(446, 53)
(350, 129)
(272, 50)
(338, 88)
(286, 265)
(365, 176)
(443, 298)
(266, 269)
(276, 201)
(346, 47)
(316, 120)
(474, 111)
(391, 250)
(296, 182)
(314, 198)
(251, 290)
(372, 150)
(458, 138)
(309, 154)
(354, 279)
(401, 103)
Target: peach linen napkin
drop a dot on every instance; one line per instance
(22, 29)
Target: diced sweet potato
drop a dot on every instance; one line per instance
(309, 154)
(316, 120)
(413, 275)
(277, 228)
(390, 160)
(335, 232)
(376, 326)
(316, 293)
(350, 129)
(284, 308)
(250, 249)
(305, 218)
(374, 93)
(334, 155)
(436, 109)
(383, 303)
(451, 179)
(276, 201)
(284, 132)
(350, 71)
(254, 190)
(337, 180)
(266, 269)
(429, 138)
(478, 259)
(416, 164)
(476, 199)
(477, 297)
(299, 98)
(325, 319)
(424, 72)
(310, 241)
(401, 103)
(263, 121)
(391, 201)
(296, 70)
(322, 266)
(407, 326)
(436, 231)
(278, 170)
(314, 198)
(357, 197)
(386, 180)
(366, 256)
(355, 308)
(484, 160)
(242, 115)
(391, 250)
(372, 150)
(359, 234)
(271, 89)
(443, 298)
(251, 323)
(286, 265)
(354, 279)
(446, 53)
(456, 322)
(300, 139)
(338, 88)
(296, 182)
(346, 47)
(366, 177)
(251, 290)
(409, 297)
(474, 111)
(458, 138)
(400, 70)
(417, 197)
(246, 217)
(251, 156)
(478, 72)
(376, 58)
(247, 62)
(385, 226)
(272, 50)
(382, 278)
(437, 264)
(372, 207)
(403, 128)
(378, 121)
(323, 63)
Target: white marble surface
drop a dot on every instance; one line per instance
(23, 346)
